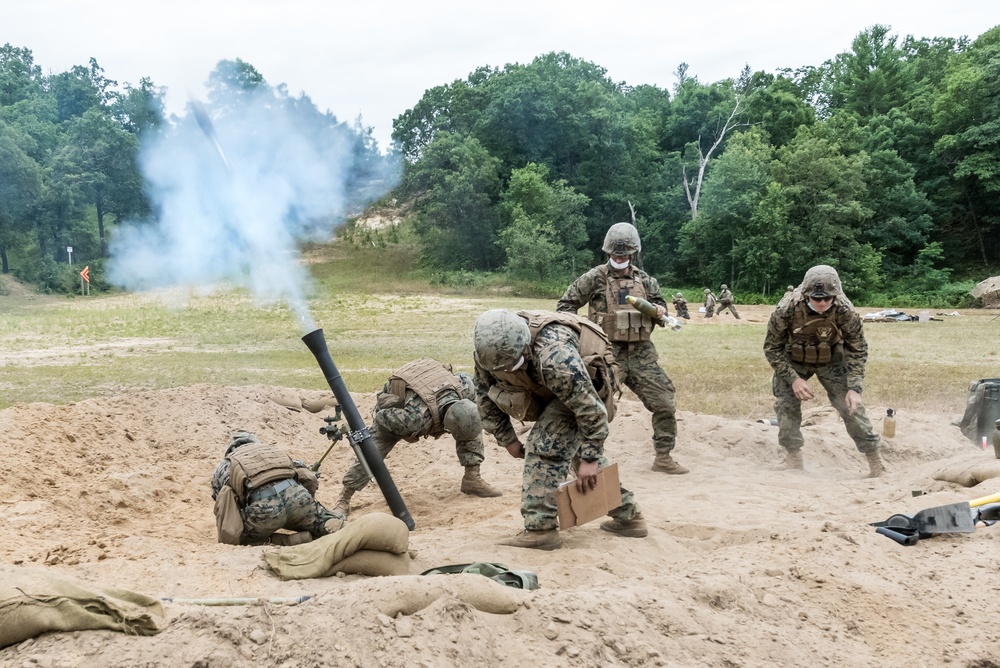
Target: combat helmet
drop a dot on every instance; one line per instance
(822, 281)
(622, 239)
(461, 420)
(725, 287)
(240, 438)
(500, 338)
(707, 290)
(679, 296)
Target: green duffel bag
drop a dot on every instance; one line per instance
(494, 571)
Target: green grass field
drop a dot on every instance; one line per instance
(376, 317)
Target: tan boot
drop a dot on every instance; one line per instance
(343, 506)
(285, 539)
(633, 528)
(473, 483)
(667, 464)
(793, 461)
(875, 465)
(548, 539)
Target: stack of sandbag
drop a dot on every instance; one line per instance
(374, 544)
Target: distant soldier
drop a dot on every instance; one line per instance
(817, 332)
(424, 398)
(709, 303)
(681, 306)
(726, 302)
(258, 489)
(603, 290)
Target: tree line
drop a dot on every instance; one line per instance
(70, 152)
(880, 161)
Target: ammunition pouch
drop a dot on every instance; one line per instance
(228, 521)
(308, 479)
(386, 400)
(520, 405)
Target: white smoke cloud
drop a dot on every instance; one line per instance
(238, 224)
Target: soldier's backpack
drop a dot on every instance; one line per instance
(982, 409)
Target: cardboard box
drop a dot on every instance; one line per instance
(575, 508)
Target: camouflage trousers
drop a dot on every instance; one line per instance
(470, 453)
(731, 307)
(550, 451)
(643, 375)
(292, 508)
(788, 408)
(682, 312)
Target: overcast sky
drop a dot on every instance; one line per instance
(377, 57)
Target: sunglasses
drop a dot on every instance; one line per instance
(822, 300)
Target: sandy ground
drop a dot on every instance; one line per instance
(744, 566)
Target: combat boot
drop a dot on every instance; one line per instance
(633, 528)
(667, 464)
(473, 483)
(793, 461)
(875, 465)
(343, 506)
(545, 539)
(285, 539)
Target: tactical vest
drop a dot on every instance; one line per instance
(431, 381)
(254, 465)
(622, 322)
(815, 338)
(520, 397)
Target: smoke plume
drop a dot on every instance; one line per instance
(233, 209)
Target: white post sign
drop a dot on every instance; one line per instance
(69, 251)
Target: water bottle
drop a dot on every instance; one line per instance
(889, 423)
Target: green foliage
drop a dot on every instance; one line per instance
(458, 183)
(545, 232)
(883, 161)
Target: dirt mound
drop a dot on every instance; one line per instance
(11, 287)
(744, 566)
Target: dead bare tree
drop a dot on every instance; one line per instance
(703, 158)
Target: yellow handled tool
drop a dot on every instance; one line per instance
(983, 500)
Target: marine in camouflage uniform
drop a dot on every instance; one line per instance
(709, 303)
(681, 306)
(817, 332)
(285, 500)
(542, 378)
(603, 290)
(448, 406)
(726, 302)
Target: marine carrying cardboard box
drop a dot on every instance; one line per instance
(575, 508)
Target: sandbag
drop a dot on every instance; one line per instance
(970, 475)
(411, 594)
(373, 562)
(377, 532)
(35, 600)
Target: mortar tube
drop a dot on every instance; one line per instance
(316, 343)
